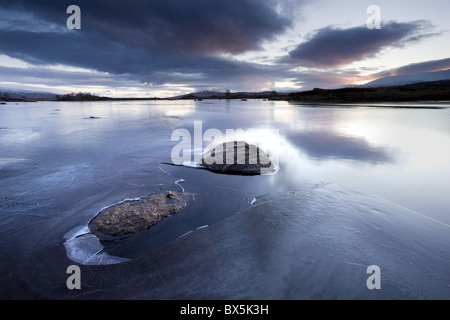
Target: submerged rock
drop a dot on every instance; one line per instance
(137, 215)
(237, 157)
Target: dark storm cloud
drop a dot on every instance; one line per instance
(218, 26)
(330, 47)
(157, 42)
(148, 39)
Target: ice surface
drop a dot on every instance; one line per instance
(312, 243)
(268, 237)
(317, 243)
(85, 248)
(76, 232)
(14, 136)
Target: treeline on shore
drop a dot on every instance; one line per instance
(81, 96)
(424, 91)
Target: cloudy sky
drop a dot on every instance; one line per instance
(169, 47)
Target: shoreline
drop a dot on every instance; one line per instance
(417, 92)
(329, 104)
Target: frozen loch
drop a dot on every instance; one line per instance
(314, 243)
(357, 207)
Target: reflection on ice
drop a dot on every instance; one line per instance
(329, 145)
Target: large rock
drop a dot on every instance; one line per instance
(237, 157)
(137, 215)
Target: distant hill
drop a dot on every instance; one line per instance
(409, 79)
(423, 91)
(231, 95)
(8, 95)
(22, 95)
(372, 92)
(25, 95)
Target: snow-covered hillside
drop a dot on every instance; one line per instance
(409, 78)
(25, 94)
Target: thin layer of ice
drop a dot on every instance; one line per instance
(85, 248)
(75, 232)
(178, 183)
(191, 164)
(185, 234)
(314, 243)
(120, 202)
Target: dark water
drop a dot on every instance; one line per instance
(356, 186)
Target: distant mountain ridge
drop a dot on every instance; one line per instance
(230, 95)
(25, 95)
(421, 91)
(409, 79)
(411, 87)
